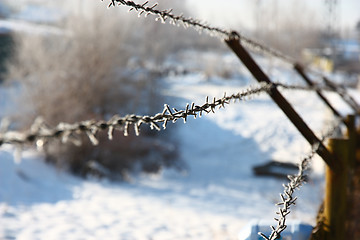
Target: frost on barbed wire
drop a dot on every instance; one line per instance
(163, 15)
(287, 198)
(40, 133)
(296, 181)
(198, 25)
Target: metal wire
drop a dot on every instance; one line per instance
(296, 181)
(315, 87)
(341, 90)
(40, 133)
(164, 15)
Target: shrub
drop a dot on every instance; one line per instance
(6, 48)
(81, 74)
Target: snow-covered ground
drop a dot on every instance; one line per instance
(214, 199)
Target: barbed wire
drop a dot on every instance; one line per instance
(200, 26)
(40, 133)
(341, 90)
(164, 15)
(296, 181)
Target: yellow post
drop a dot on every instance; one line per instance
(335, 202)
(336, 218)
(352, 135)
(353, 223)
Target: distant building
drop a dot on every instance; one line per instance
(338, 55)
(318, 58)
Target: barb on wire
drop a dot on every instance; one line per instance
(40, 133)
(145, 9)
(287, 198)
(296, 181)
(163, 15)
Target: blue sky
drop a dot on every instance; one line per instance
(231, 13)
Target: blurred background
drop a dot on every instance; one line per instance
(324, 32)
(79, 60)
(69, 61)
(104, 61)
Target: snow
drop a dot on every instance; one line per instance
(15, 25)
(214, 199)
(29, 18)
(39, 14)
(217, 195)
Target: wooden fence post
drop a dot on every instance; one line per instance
(335, 202)
(338, 195)
(300, 70)
(353, 138)
(353, 223)
(235, 45)
(343, 94)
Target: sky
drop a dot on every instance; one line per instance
(242, 12)
(244, 15)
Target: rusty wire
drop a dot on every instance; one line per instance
(296, 181)
(164, 15)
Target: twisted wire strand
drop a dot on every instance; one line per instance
(164, 15)
(314, 87)
(296, 181)
(40, 133)
(341, 90)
